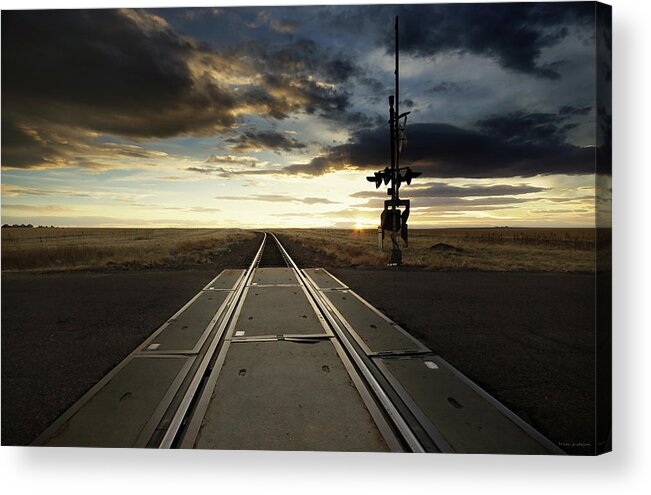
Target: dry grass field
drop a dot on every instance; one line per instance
(496, 249)
(55, 249)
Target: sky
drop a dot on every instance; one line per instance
(267, 117)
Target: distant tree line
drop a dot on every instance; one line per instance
(26, 226)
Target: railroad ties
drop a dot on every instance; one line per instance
(279, 358)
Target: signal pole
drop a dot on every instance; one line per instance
(392, 219)
(397, 86)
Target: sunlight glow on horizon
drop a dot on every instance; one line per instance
(144, 200)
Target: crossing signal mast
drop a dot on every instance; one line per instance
(393, 219)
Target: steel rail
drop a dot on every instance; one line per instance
(398, 421)
(177, 420)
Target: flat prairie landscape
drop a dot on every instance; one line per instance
(496, 249)
(56, 249)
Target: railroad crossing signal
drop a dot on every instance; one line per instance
(385, 176)
(393, 218)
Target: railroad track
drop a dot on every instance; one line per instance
(276, 357)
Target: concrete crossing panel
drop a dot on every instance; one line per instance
(322, 279)
(373, 332)
(286, 396)
(124, 412)
(185, 331)
(274, 276)
(226, 280)
(466, 420)
(277, 311)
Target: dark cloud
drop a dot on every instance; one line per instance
(569, 111)
(78, 73)
(454, 204)
(295, 92)
(514, 34)
(263, 18)
(604, 91)
(284, 25)
(604, 140)
(225, 173)
(25, 146)
(512, 145)
(320, 164)
(128, 73)
(280, 198)
(408, 103)
(373, 84)
(264, 140)
(532, 128)
(10, 190)
(113, 71)
(444, 190)
(233, 160)
(423, 206)
(20, 149)
(303, 75)
(445, 87)
(208, 170)
(301, 57)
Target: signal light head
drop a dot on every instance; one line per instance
(387, 175)
(409, 174)
(377, 178)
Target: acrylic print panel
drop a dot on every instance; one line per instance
(340, 228)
